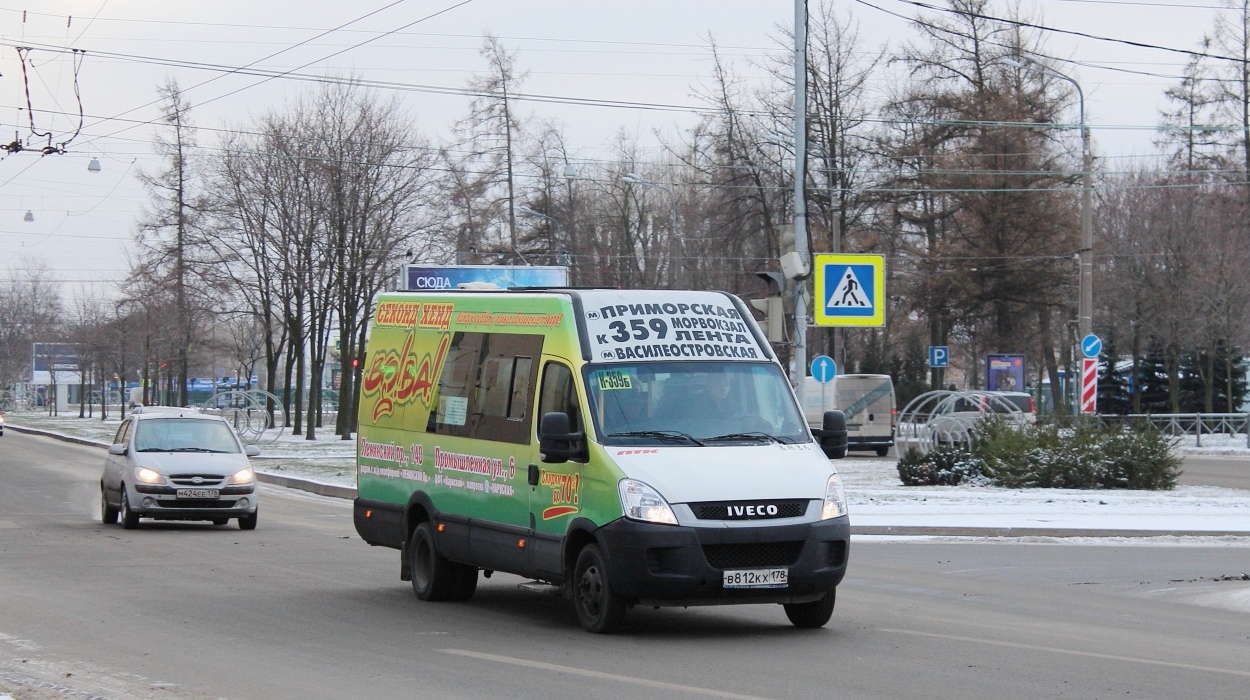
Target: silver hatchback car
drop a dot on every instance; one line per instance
(178, 464)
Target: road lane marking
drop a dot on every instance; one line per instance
(571, 670)
(1072, 652)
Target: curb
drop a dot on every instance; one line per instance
(347, 492)
(289, 482)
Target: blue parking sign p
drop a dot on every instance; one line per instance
(939, 355)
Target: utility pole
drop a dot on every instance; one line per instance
(799, 371)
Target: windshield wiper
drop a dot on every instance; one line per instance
(188, 449)
(752, 435)
(667, 435)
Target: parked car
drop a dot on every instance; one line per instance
(178, 464)
(953, 419)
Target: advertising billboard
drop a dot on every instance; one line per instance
(1004, 372)
(59, 360)
(429, 277)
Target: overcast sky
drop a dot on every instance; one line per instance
(652, 51)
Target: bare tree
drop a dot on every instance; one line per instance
(166, 236)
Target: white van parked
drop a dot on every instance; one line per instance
(868, 402)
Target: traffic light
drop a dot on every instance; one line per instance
(774, 318)
(793, 266)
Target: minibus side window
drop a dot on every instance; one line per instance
(559, 393)
(486, 387)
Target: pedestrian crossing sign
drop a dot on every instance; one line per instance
(850, 290)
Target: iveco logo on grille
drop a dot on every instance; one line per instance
(753, 511)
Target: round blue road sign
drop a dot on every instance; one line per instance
(1091, 345)
(824, 369)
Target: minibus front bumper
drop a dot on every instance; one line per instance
(677, 565)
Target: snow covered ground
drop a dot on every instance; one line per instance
(877, 499)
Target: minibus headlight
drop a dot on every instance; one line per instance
(641, 502)
(147, 476)
(835, 499)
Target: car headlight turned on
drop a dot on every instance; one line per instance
(148, 476)
(835, 499)
(641, 502)
(243, 476)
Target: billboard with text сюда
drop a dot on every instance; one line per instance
(59, 360)
(434, 277)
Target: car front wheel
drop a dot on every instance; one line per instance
(130, 519)
(108, 514)
(248, 522)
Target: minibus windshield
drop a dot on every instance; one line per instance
(693, 404)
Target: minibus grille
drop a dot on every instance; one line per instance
(756, 554)
(748, 510)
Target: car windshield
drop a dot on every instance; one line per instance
(184, 435)
(693, 404)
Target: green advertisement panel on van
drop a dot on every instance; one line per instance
(629, 447)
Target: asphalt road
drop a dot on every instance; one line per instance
(301, 608)
(1229, 471)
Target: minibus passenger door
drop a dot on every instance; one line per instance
(555, 484)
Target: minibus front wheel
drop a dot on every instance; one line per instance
(813, 614)
(599, 608)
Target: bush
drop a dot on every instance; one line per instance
(945, 466)
(1088, 456)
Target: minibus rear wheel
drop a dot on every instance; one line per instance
(433, 576)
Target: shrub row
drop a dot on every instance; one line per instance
(1089, 456)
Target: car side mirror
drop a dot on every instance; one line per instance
(556, 441)
(117, 449)
(832, 435)
(251, 451)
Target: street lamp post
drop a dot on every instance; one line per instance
(1085, 311)
(562, 252)
(633, 179)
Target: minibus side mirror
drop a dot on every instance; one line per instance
(556, 442)
(832, 435)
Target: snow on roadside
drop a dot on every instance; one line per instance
(874, 493)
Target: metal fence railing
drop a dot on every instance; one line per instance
(1196, 424)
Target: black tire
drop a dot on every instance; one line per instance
(130, 519)
(220, 521)
(434, 578)
(108, 514)
(248, 522)
(814, 614)
(466, 582)
(599, 608)
(883, 451)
